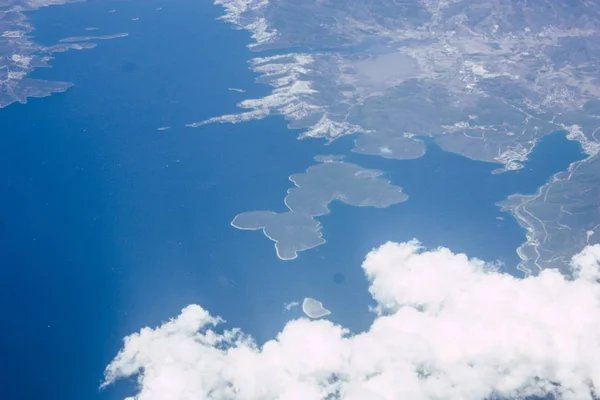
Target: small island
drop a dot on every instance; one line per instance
(314, 308)
(330, 180)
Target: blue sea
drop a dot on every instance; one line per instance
(108, 224)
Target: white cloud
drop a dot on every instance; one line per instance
(291, 305)
(448, 328)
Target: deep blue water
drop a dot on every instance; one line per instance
(108, 225)
(103, 230)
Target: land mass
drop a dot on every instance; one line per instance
(486, 79)
(332, 179)
(20, 54)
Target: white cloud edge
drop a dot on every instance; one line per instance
(448, 327)
(291, 305)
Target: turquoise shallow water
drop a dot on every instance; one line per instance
(108, 225)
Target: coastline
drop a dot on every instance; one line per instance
(16, 85)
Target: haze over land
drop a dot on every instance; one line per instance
(137, 222)
(484, 79)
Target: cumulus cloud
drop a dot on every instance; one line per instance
(448, 327)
